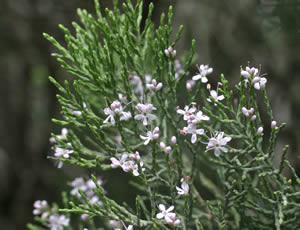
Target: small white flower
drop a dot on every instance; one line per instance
(57, 222)
(249, 72)
(165, 213)
(116, 109)
(187, 112)
(203, 71)
(259, 82)
(260, 130)
(167, 149)
(197, 118)
(190, 84)
(63, 135)
(247, 112)
(178, 69)
(118, 163)
(170, 51)
(137, 82)
(215, 96)
(61, 152)
(184, 190)
(273, 124)
(217, 143)
(145, 114)
(127, 165)
(41, 208)
(173, 140)
(154, 86)
(192, 129)
(150, 136)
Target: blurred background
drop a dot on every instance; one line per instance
(228, 34)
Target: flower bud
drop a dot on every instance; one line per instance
(273, 124)
(253, 118)
(168, 149)
(260, 130)
(162, 145)
(173, 140)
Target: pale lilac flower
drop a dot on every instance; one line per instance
(260, 130)
(249, 72)
(58, 222)
(259, 82)
(217, 143)
(62, 152)
(184, 190)
(167, 214)
(170, 51)
(173, 221)
(167, 149)
(253, 118)
(119, 163)
(203, 71)
(192, 129)
(187, 112)
(150, 136)
(273, 124)
(136, 156)
(197, 118)
(87, 187)
(126, 165)
(41, 208)
(145, 114)
(122, 98)
(84, 217)
(135, 168)
(215, 96)
(154, 86)
(137, 82)
(64, 132)
(173, 140)
(190, 84)
(115, 109)
(247, 112)
(178, 69)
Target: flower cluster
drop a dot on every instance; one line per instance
(53, 220)
(193, 118)
(168, 215)
(116, 109)
(218, 143)
(131, 164)
(87, 187)
(252, 75)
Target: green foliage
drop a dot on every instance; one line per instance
(237, 189)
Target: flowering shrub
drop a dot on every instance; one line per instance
(199, 158)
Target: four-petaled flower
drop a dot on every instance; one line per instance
(116, 109)
(192, 129)
(249, 72)
(203, 71)
(259, 82)
(215, 96)
(154, 86)
(150, 136)
(57, 222)
(41, 208)
(145, 114)
(184, 190)
(218, 143)
(187, 112)
(128, 165)
(167, 214)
